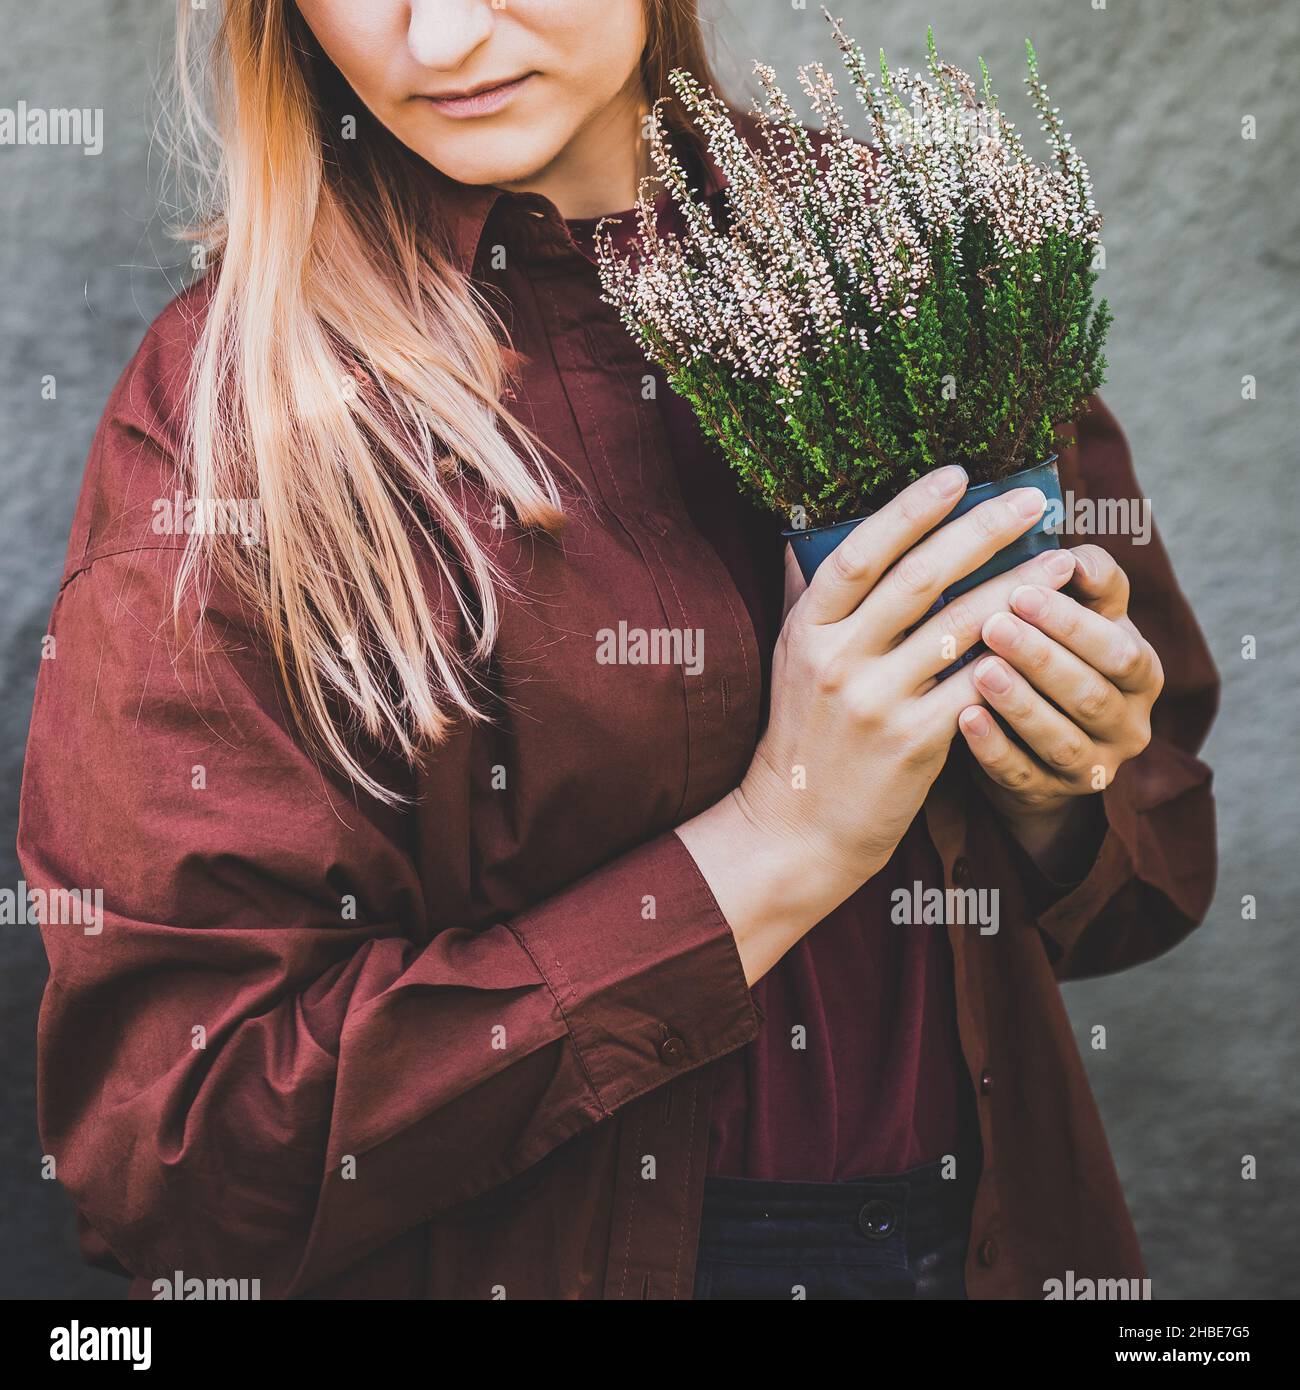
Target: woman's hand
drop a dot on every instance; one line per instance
(1075, 680)
(859, 726)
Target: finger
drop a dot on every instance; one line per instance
(907, 593)
(940, 706)
(1100, 582)
(1059, 744)
(931, 722)
(1002, 761)
(956, 627)
(855, 566)
(1080, 691)
(1115, 650)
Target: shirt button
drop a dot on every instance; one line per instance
(672, 1051)
(986, 1081)
(878, 1219)
(961, 873)
(987, 1253)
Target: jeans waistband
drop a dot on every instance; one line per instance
(923, 1184)
(897, 1236)
(868, 1218)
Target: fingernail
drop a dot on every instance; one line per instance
(1028, 502)
(1086, 562)
(1028, 598)
(949, 481)
(1002, 629)
(1059, 564)
(991, 674)
(975, 722)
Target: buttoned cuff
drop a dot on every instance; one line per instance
(643, 968)
(1134, 846)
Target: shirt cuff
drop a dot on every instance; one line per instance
(1064, 914)
(643, 968)
(1043, 890)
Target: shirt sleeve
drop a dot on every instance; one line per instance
(1153, 878)
(274, 1053)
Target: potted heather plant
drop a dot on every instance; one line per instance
(861, 314)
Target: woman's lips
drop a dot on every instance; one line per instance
(484, 102)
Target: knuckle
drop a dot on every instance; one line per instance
(1094, 700)
(863, 708)
(1067, 616)
(1066, 753)
(1038, 656)
(914, 506)
(1112, 577)
(1128, 658)
(914, 575)
(988, 520)
(828, 674)
(1018, 704)
(1015, 776)
(960, 620)
(849, 560)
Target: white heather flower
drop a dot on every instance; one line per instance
(824, 239)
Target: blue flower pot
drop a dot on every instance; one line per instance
(812, 546)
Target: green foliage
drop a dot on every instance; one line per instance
(999, 352)
(962, 325)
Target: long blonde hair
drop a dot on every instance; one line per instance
(348, 377)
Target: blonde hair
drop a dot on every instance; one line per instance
(345, 375)
(348, 377)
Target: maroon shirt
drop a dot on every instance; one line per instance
(469, 1049)
(857, 1069)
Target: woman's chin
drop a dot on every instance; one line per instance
(505, 154)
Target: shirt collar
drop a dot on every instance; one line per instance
(464, 209)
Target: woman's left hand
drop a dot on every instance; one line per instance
(1076, 681)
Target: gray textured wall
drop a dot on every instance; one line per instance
(1202, 272)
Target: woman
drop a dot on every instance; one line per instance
(508, 873)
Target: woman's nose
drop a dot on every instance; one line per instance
(443, 33)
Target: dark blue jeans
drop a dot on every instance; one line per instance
(889, 1238)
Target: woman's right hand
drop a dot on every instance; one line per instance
(859, 725)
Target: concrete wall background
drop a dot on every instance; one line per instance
(1203, 272)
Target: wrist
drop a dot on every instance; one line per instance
(771, 886)
(1061, 838)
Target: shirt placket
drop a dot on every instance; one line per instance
(663, 1137)
(632, 470)
(945, 815)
